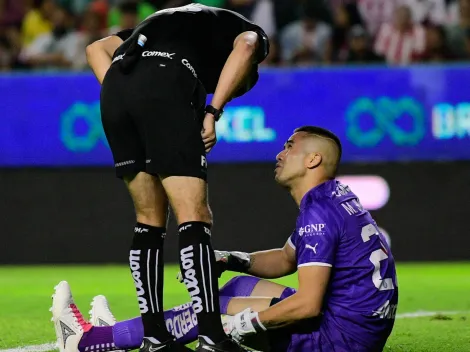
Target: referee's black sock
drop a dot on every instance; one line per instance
(197, 263)
(146, 263)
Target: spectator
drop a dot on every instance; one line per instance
(11, 12)
(11, 16)
(6, 54)
(215, 3)
(273, 58)
(344, 17)
(305, 41)
(428, 11)
(38, 20)
(10, 46)
(401, 40)
(175, 3)
(285, 12)
(326, 31)
(453, 12)
(467, 42)
(90, 32)
(128, 17)
(263, 16)
(436, 46)
(144, 9)
(243, 7)
(360, 51)
(457, 33)
(374, 13)
(437, 49)
(56, 49)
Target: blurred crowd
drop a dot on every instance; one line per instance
(53, 34)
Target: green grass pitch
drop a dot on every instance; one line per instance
(25, 298)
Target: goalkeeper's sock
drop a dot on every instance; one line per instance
(98, 339)
(181, 322)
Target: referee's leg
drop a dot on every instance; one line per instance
(146, 254)
(169, 124)
(189, 201)
(150, 202)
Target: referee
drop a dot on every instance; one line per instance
(155, 79)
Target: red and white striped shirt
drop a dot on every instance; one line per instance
(400, 48)
(376, 12)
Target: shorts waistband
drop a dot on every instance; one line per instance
(170, 57)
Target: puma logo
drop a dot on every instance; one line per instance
(314, 248)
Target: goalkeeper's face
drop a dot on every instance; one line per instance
(291, 161)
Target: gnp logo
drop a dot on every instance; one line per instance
(314, 229)
(389, 118)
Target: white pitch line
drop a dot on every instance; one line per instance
(34, 348)
(423, 313)
(53, 346)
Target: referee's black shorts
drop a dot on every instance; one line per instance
(153, 117)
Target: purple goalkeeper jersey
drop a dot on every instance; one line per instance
(334, 230)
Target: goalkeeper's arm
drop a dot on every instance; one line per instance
(268, 264)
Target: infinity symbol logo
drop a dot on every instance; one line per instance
(91, 116)
(386, 114)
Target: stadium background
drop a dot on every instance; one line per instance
(395, 91)
(400, 105)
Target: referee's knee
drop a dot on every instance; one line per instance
(201, 213)
(152, 217)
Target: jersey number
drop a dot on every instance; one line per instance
(383, 284)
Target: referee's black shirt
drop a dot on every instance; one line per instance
(200, 34)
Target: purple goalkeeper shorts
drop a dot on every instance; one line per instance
(312, 336)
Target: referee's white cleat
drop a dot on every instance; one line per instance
(100, 314)
(68, 321)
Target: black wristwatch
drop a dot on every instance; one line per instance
(216, 112)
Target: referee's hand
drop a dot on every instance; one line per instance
(208, 132)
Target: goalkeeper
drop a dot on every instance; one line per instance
(347, 293)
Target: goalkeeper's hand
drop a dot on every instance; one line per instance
(242, 324)
(232, 261)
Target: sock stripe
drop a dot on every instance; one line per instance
(210, 277)
(203, 278)
(148, 280)
(156, 282)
